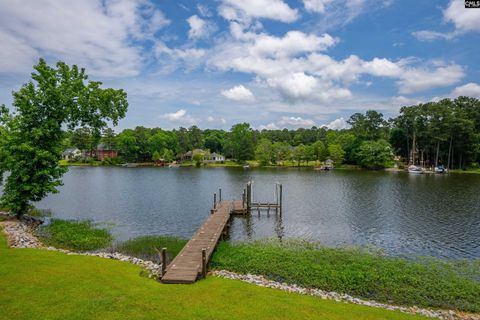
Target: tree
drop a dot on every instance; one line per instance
(82, 138)
(299, 154)
(127, 145)
(241, 142)
(168, 155)
(264, 152)
(337, 154)
(320, 151)
(56, 98)
(374, 154)
(156, 156)
(108, 138)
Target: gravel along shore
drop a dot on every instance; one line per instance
(20, 235)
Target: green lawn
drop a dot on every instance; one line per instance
(39, 284)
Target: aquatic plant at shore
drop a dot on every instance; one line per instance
(356, 272)
(74, 235)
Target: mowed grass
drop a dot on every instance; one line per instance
(430, 283)
(74, 235)
(40, 284)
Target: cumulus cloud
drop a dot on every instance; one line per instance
(199, 28)
(270, 126)
(179, 117)
(296, 122)
(239, 93)
(105, 37)
(464, 20)
(470, 90)
(246, 9)
(415, 80)
(337, 124)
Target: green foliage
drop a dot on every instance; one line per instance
(240, 142)
(148, 247)
(374, 154)
(336, 153)
(264, 152)
(80, 287)
(55, 98)
(359, 273)
(156, 156)
(74, 235)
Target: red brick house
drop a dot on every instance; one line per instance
(101, 153)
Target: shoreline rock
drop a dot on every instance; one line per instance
(20, 235)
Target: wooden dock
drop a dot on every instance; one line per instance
(191, 263)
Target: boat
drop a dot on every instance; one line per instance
(246, 166)
(440, 169)
(173, 165)
(415, 169)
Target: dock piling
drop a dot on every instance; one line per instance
(204, 263)
(164, 260)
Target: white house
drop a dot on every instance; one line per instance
(71, 154)
(217, 157)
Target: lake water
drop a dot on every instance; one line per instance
(403, 214)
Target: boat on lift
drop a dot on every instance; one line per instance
(415, 169)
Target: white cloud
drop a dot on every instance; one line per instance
(239, 93)
(204, 10)
(180, 117)
(462, 18)
(296, 85)
(470, 90)
(428, 35)
(316, 5)
(296, 122)
(105, 37)
(211, 119)
(415, 79)
(199, 28)
(246, 9)
(337, 124)
(270, 126)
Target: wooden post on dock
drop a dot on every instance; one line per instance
(204, 263)
(249, 196)
(214, 201)
(280, 197)
(220, 195)
(164, 260)
(243, 199)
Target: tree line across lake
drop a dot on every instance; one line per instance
(446, 133)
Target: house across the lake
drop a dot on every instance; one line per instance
(101, 153)
(216, 157)
(188, 156)
(71, 153)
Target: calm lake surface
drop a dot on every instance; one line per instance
(403, 214)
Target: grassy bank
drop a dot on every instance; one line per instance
(40, 284)
(147, 247)
(385, 279)
(74, 235)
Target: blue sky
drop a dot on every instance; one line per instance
(271, 63)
